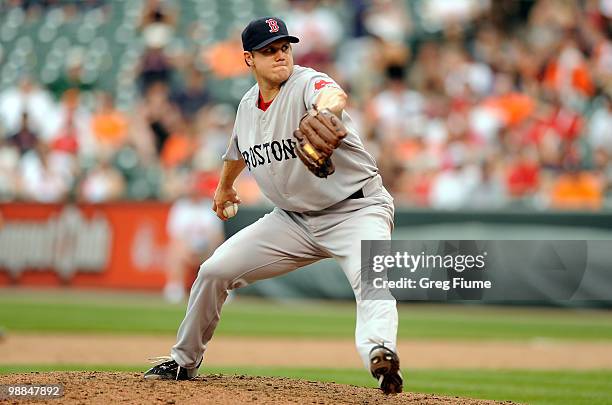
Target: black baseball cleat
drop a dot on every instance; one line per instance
(385, 367)
(170, 370)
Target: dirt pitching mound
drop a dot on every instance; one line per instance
(112, 388)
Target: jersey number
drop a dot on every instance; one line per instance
(273, 25)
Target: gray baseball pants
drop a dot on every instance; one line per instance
(283, 241)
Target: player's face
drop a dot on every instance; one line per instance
(274, 63)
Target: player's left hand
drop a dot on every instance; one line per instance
(319, 133)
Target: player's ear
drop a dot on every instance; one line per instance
(248, 58)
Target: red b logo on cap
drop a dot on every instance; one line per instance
(273, 25)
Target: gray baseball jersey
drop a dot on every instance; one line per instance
(293, 236)
(264, 139)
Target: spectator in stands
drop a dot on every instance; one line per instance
(568, 73)
(44, 177)
(523, 174)
(225, 58)
(211, 142)
(425, 76)
(24, 139)
(452, 189)
(108, 124)
(179, 147)
(194, 233)
(158, 12)
(27, 97)
(102, 183)
(155, 119)
(602, 54)
(397, 111)
(72, 78)
(193, 95)
(67, 139)
(155, 65)
(388, 20)
(445, 14)
(577, 190)
(71, 125)
(490, 192)
(65, 147)
(510, 107)
(310, 19)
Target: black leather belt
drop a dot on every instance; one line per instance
(356, 195)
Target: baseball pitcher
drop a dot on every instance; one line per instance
(293, 135)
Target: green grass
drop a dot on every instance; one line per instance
(87, 312)
(533, 387)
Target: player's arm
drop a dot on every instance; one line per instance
(332, 98)
(321, 131)
(225, 190)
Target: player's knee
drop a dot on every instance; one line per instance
(222, 275)
(209, 272)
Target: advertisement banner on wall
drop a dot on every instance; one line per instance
(119, 245)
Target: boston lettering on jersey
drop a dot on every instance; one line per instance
(264, 153)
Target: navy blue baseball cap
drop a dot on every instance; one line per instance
(263, 31)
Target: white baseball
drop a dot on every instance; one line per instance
(230, 209)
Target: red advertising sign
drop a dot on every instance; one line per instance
(118, 245)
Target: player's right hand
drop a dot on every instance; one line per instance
(224, 195)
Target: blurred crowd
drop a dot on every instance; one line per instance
(474, 104)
